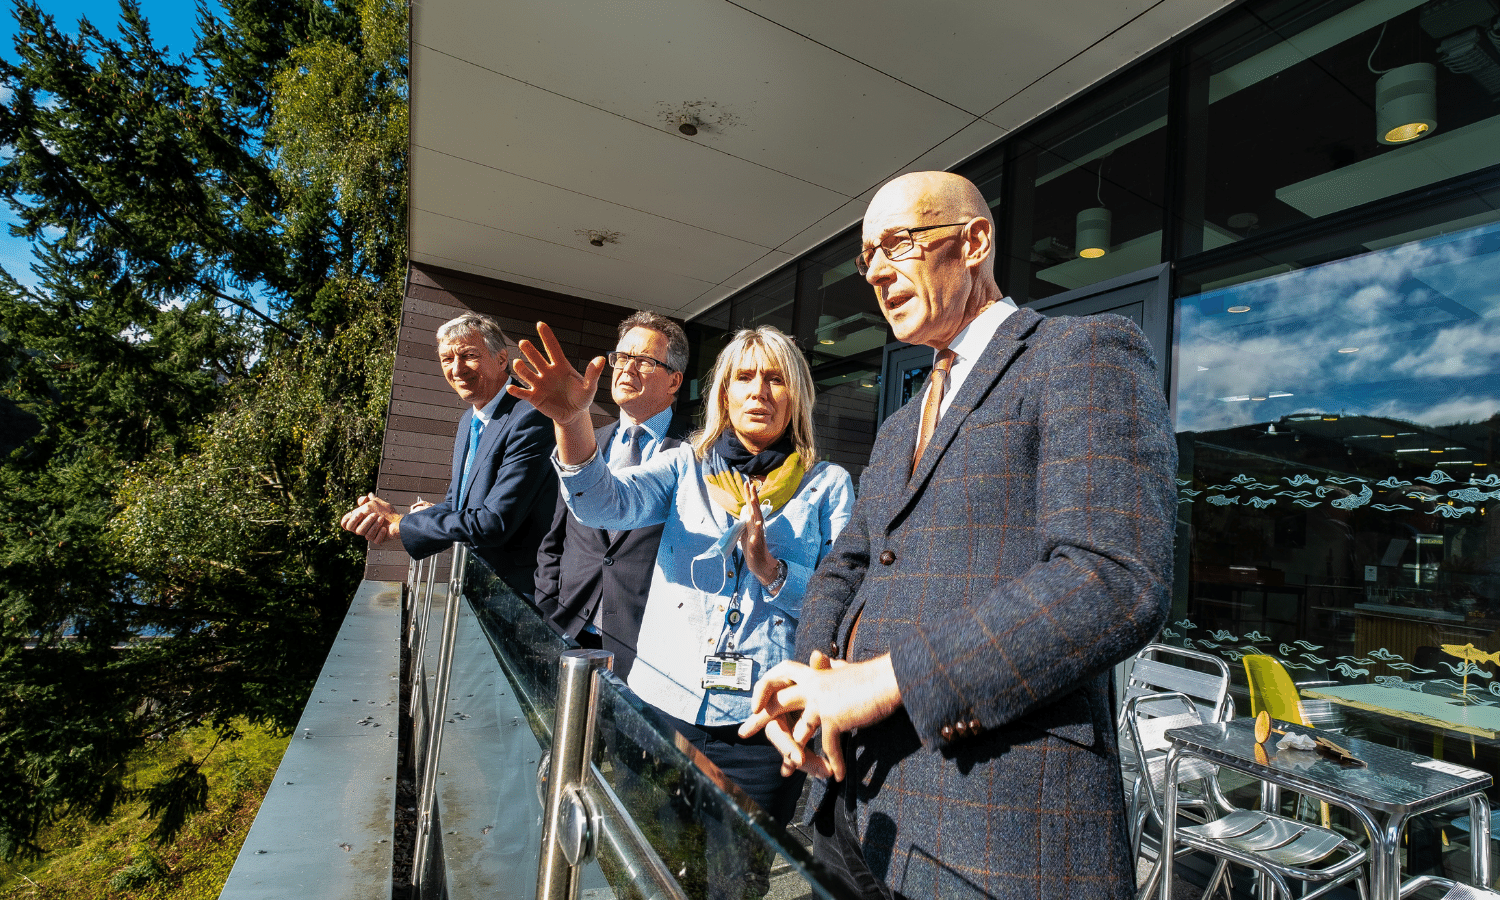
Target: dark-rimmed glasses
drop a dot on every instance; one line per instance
(647, 364)
(895, 245)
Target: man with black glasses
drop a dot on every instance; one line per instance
(591, 584)
(1011, 543)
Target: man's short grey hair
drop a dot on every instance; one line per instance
(474, 323)
(677, 342)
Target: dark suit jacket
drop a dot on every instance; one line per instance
(580, 568)
(1029, 553)
(511, 495)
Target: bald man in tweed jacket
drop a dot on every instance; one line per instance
(958, 642)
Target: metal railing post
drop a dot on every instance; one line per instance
(568, 824)
(413, 599)
(427, 783)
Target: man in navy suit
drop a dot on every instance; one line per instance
(503, 490)
(591, 583)
(1011, 544)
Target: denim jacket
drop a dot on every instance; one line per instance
(688, 611)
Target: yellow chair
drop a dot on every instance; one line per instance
(1272, 690)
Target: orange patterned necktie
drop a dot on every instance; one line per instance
(932, 406)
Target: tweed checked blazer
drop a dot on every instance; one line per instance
(511, 494)
(1028, 553)
(579, 569)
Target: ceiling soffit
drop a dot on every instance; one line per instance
(538, 125)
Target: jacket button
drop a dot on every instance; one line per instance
(887, 557)
(960, 728)
(833, 650)
(609, 560)
(947, 732)
(974, 725)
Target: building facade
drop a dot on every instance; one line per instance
(1300, 204)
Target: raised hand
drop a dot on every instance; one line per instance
(753, 539)
(552, 385)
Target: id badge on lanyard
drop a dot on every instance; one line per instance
(728, 672)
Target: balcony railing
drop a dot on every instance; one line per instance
(540, 773)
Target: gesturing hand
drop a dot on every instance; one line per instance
(552, 385)
(753, 540)
(833, 696)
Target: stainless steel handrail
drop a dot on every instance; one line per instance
(427, 783)
(569, 825)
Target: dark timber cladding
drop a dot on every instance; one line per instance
(417, 457)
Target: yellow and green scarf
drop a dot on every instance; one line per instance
(729, 463)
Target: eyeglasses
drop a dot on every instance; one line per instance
(646, 364)
(895, 245)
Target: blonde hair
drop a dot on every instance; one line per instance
(782, 353)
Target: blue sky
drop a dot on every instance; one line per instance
(172, 24)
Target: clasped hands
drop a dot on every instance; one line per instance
(376, 520)
(793, 702)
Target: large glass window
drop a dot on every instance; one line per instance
(845, 353)
(1296, 111)
(1086, 202)
(1339, 481)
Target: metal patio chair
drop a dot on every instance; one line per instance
(1280, 849)
(1164, 669)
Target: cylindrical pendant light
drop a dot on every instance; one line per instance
(1092, 237)
(1406, 103)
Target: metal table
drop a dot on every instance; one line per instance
(1435, 710)
(1394, 786)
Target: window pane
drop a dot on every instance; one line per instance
(768, 302)
(845, 353)
(1088, 193)
(1283, 110)
(1337, 430)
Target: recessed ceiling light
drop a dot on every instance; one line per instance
(1239, 309)
(1278, 394)
(1257, 398)
(1348, 349)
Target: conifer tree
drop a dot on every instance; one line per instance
(202, 360)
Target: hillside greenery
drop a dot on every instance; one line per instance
(118, 860)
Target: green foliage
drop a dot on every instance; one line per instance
(147, 868)
(169, 554)
(94, 861)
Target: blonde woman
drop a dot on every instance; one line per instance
(748, 513)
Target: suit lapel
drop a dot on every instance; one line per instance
(1009, 340)
(602, 438)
